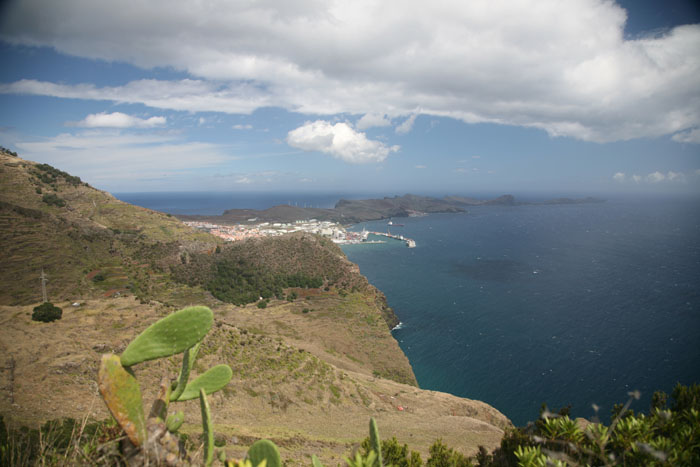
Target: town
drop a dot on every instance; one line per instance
(335, 232)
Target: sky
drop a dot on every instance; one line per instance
(440, 97)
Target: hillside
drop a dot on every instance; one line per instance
(308, 371)
(51, 220)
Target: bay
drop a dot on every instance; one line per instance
(556, 304)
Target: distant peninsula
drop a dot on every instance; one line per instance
(355, 211)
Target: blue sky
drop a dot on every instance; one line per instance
(577, 97)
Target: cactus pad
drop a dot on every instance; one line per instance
(175, 421)
(121, 393)
(264, 450)
(374, 441)
(173, 334)
(208, 429)
(212, 380)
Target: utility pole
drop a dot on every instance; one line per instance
(43, 285)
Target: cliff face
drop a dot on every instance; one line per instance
(308, 373)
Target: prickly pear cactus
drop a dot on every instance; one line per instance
(210, 381)
(264, 450)
(188, 359)
(121, 393)
(207, 428)
(315, 462)
(175, 421)
(375, 442)
(173, 334)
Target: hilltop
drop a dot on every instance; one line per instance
(310, 367)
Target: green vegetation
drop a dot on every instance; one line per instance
(665, 436)
(12, 153)
(47, 312)
(50, 175)
(244, 272)
(52, 200)
(180, 332)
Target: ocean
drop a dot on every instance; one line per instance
(519, 306)
(561, 304)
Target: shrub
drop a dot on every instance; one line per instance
(262, 304)
(52, 199)
(98, 278)
(47, 312)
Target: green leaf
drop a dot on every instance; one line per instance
(264, 450)
(121, 393)
(171, 335)
(211, 381)
(207, 428)
(315, 462)
(187, 363)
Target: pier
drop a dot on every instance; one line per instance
(409, 242)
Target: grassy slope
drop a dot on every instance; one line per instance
(93, 232)
(308, 380)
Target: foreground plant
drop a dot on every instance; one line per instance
(152, 438)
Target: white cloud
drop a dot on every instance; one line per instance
(340, 141)
(407, 125)
(655, 177)
(564, 67)
(137, 158)
(652, 178)
(675, 177)
(243, 127)
(689, 136)
(370, 120)
(119, 120)
(421, 167)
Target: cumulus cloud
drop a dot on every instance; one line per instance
(564, 67)
(370, 120)
(340, 141)
(119, 120)
(652, 178)
(619, 177)
(243, 127)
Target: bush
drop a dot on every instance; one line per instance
(47, 312)
(98, 278)
(262, 304)
(665, 436)
(52, 199)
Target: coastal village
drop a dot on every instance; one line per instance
(336, 232)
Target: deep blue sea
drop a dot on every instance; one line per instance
(519, 306)
(561, 304)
